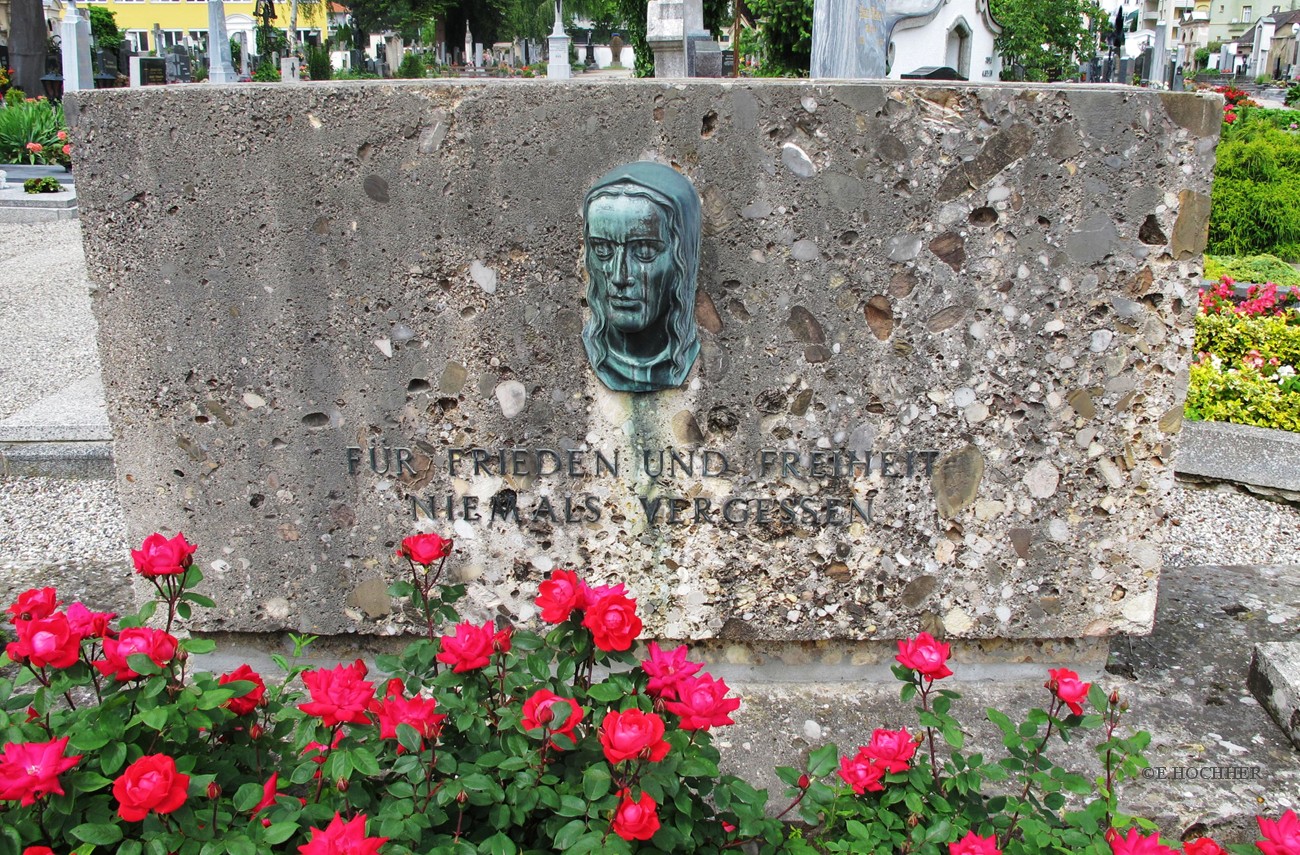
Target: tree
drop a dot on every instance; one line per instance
(784, 36)
(103, 28)
(1047, 38)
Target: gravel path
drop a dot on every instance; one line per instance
(48, 338)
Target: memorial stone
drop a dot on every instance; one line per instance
(178, 65)
(935, 362)
(148, 71)
(78, 70)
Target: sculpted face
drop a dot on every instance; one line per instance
(631, 260)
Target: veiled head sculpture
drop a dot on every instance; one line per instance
(641, 236)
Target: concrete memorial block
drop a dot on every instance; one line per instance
(148, 71)
(935, 353)
(78, 70)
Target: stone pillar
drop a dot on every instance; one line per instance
(469, 46)
(220, 67)
(242, 38)
(666, 34)
(850, 38)
(557, 65)
(1159, 55)
(78, 72)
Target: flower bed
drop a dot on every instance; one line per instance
(495, 738)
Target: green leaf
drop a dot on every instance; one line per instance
(112, 757)
(155, 719)
(199, 646)
(240, 845)
(569, 834)
(279, 832)
(98, 833)
(571, 806)
(823, 761)
(364, 762)
(141, 664)
(498, 844)
(409, 738)
(605, 693)
(596, 782)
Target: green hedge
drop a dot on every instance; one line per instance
(1240, 397)
(1231, 337)
(1256, 269)
(1256, 205)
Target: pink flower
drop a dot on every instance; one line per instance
(861, 773)
(1281, 836)
(88, 624)
(891, 749)
(269, 791)
(48, 641)
(633, 734)
(339, 695)
(250, 700)
(469, 647)
(548, 711)
(636, 820)
(159, 646)
(151, 783)
(415, 711)
(973, 844)
(29, 770)
(1067, 686)
(34, 148)
(342, 838)
(1134, 843)
(158, 556)
(425, 548)
(924, 655)
(702, 703)
(1203, 846)
(32, 604)
(559, 595)
(666, 670)
(612, 620)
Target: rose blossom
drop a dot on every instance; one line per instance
(613, 622)
(861, 773)
(151, 783)
(559, 595)
(891, 749)
(1067, 686)
(29, 770)
(925, 656)
(158, 556)
(159, 646)
(415, 711)
(631, 734)
(342, 838)
(666, 669)
(973, 844)
(425, 548)
(46, 641)
(1205, 846)
(703, 703)
(38, 850)
(1134, 843)
(339, 695)
(88, 624)
(33, 604)
(557, 715)
(636, 820)
(469, 647)
(1281, 836)
(269, 791)
(250, 700)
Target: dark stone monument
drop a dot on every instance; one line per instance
(153, 71)
(178, 66)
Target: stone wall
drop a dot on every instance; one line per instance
(943, 335)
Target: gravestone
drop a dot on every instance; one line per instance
(148, 71)
(850, 38)
(178, 65)
(220, 67)
(78, 71)
(290, 70)
(937, 383)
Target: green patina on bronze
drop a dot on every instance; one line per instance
(642, 249)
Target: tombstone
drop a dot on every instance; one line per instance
(290, 70)
(666, 35)
(148, 71)
(557, 61)
(108, 62)
(158, 48)
(469, 46)
(393, 52)
(356, 59)
(850, 38)
(78, 70)
(178, 65)
(220, 67)
(244, 61)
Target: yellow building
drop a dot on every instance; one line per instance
(156, 25)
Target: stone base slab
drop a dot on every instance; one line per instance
(1275, 682)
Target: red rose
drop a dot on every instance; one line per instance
(666, 669)
(154, 643)
(702, 703)
(1205, 846)
(633, 734)
(38, 850)
(613, 622)
(1281, 836)
(342, 838)
(395, 709)
(269, 791)
(29, 770)
(555, 714)
(636, 820)
(88, 624)
(150, 784)
(339, 695)
(425, 548)
(972, 844)
(558, 596)
(469, 647)
(861, 773)
(250, 700)
(1067, 686)
(158, 556)
(501, 640)
(1134, 843)
(33, 604)
(891, 749)
(46, 641)
(924, 655)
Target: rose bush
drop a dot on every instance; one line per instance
(489, 738)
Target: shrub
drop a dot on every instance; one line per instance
(1256, 203)
(266, 72)
(319, 66)
(1243, 395)
(26, 123)
(1292, 94)
(42, 185)
(1252, 268)
(411, 67)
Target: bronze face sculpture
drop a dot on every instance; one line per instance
(641, 235)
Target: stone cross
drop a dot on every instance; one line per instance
(78, 72)
(850, 38)
(220, 67)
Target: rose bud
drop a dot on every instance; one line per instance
(255, 731)
(462, 797)
(341, 784)
(214, 790)
(804, 782)
(1114, 697)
